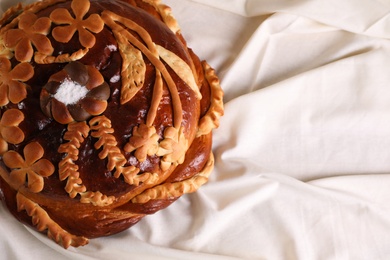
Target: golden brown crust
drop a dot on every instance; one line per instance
(114, 138)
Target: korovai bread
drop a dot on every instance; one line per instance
(106, 115)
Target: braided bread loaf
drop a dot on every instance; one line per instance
(106, 115)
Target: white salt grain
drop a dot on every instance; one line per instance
(115, 79)
(70, 92)
(112, 47)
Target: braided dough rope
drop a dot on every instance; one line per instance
(63, 58)
(67, 168)
(210, 120)
(166, 14)
(43, 222)
(177, 189)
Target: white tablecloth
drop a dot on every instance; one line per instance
(303, 151)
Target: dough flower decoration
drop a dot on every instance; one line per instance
(173, 148)
(93, 23)
(31, 31)
(9, 129)
(75, 94)
(12, 86)
(32, 167)
(144, 141)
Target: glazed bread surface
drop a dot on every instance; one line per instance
(106, 115)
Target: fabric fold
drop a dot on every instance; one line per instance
(368, 17)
